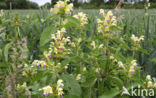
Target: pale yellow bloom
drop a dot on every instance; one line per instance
(148, 77)
(82, 18)
(78, 77)
(149, 84)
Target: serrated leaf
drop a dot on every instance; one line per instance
(91, 80)
(46, 35)
(72, 22)
(110, 93)
(143, 50)
(117, 81)
(71, 85)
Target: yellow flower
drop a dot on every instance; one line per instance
(82, 18)
(63, 30)
(78, 77)
(111, 57)
(133, 62)
(101, 46)
(93, 44)
(148, 77)
(120, 64)
(47, 90)
(132, 71)
(63, 8)
(73, 45)
(136, 39)
(97, 70)
(84, 69)
(106, 22)
(60, 91)
(102, 12)
(150, 84)
(60, 83)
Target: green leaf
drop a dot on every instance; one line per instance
(46, 35)
(91, 80)
(72, 22)
(51, 17)
(71, 96)
(143, 50)
(117, 81)
(71, 85)
(110, 93)
(6, 51)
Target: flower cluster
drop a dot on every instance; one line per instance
(136, 39)
(106, 22)
(93, 44)
(133, 64)
(63, 8)
(47, 90)
(97, 70)
(28, 71)
(78, 77)
(57, 46)
(82, 18)
(131, 68)
(39, 63)
(58, 90)
(149, 82)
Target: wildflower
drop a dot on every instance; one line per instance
(120, 64)
(101, 46)
(60, 86)
(79, 40)
(55, 51)
(60, 92)
(136, 39)
(25, 65)
(61, 46)
(93, 44)
(82, 18)
(84, 69)
(39, 63)
(102, 12)
(60, 83)
(47, 90)
(97, 70)
(132, 71)
(148, 77)
(58, 65)
(63, 30)
(63, 8)
(111, 57)
(73, 45)
(66, 67)
(78, 77)
(134, 63)
(150, 84)
(106, 22)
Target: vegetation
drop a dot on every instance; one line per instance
(18, 4)
(61, 53)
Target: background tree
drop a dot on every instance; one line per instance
(3, 4)
(53, 2)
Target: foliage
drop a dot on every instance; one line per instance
(75, 55)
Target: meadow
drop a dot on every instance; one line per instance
(65, 53)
